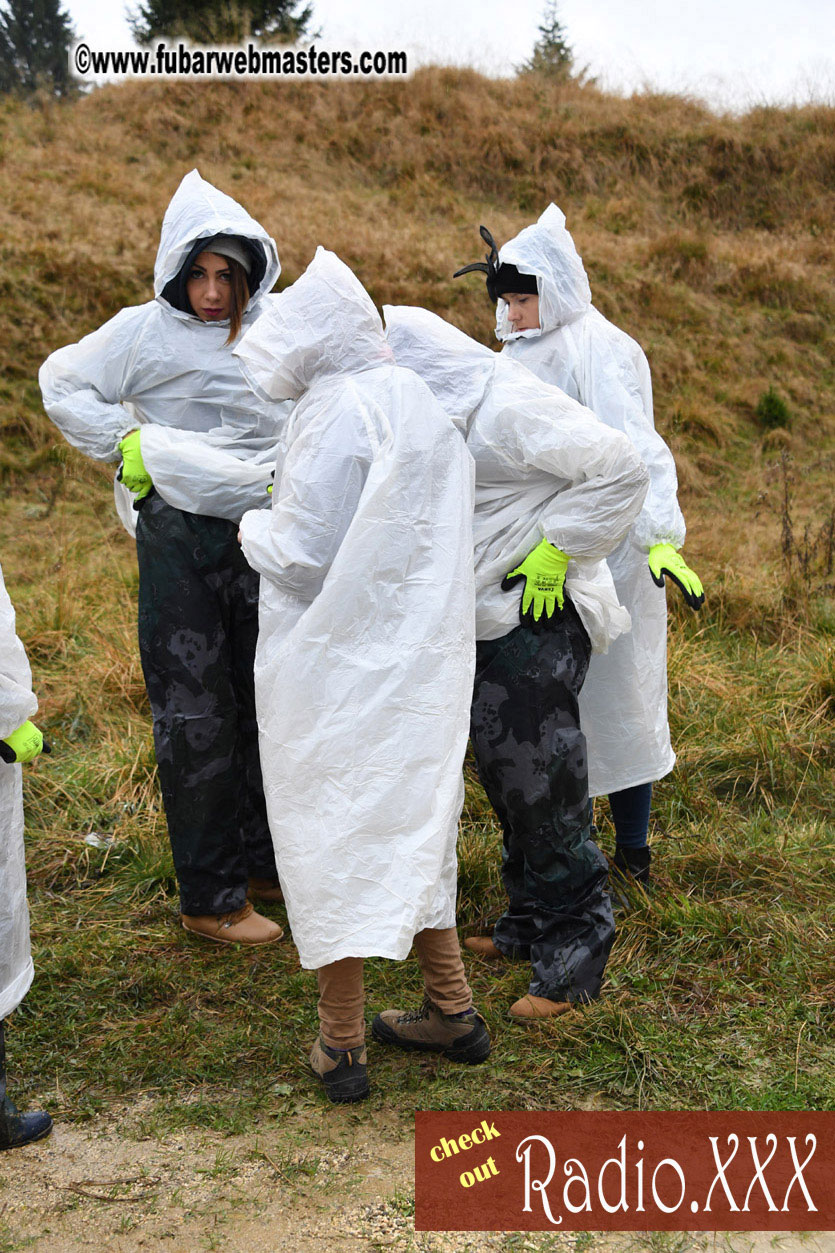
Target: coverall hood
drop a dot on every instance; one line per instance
(324, 324)
(547, 250)
(197, 214)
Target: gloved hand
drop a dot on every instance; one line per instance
(544, 573)
(24, 744)
(663, 559)
(132, 472)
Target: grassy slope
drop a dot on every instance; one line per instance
(703, 237)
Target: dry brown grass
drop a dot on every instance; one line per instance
(704, 236)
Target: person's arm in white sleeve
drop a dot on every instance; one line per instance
(210, 473)
(606, 481)
(621, 396)
(83, 386)
(314, 500)
(17, 700)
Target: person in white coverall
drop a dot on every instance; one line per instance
(20, 741)
(364, 667)
(147, 386)
(547, 321)
(556, 490)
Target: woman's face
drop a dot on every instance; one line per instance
(209, 287)
(522, 310)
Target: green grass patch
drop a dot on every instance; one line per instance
(720, 988)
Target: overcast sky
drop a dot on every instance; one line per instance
(732, 52)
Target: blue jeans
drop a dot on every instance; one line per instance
(630, 814)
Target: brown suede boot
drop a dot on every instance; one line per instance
(528, 1008)
(243, 926)
(460, 1037)
(266, 890)
(483, 946)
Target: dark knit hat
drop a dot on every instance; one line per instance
(508, 278)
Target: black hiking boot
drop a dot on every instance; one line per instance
(342, 1071)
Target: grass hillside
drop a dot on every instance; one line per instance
(708, 239)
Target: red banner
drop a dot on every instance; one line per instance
(625, 1171)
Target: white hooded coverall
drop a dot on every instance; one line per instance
(208, 443)
(364, 666)
(545, 468)
(17, 704)
(623, 704)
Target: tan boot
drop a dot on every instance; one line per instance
(461, 1037)
(483, 946)
(266, 890)
(243, 926)
(530, 1007)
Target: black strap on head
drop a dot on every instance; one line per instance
(489, 267)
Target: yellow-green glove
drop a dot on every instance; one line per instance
(543, 571)
(663, 559)
(24, 744)
(133, 473)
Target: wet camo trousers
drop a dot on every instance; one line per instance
(198, 625)
(531, 758)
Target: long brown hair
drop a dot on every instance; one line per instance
(240, 297)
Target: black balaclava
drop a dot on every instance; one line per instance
(500, 278)
(174, 290)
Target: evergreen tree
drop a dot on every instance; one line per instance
(551, 55)
(219, 21)
(35, 38)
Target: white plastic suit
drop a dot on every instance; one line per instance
(364, 665)
(158, 367)
(545, 468)
(623, 704)
(17, 704)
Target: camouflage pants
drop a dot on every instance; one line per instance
(198, 625)
(531, 758)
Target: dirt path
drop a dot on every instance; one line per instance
(330, 1181)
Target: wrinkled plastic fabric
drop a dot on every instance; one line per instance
(365, 659)
(545, 468)
(17, 703)
(623, 703)
(157, 367)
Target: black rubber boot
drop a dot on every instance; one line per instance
(16, 1128)
(634, 863)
